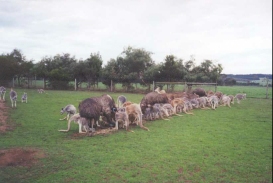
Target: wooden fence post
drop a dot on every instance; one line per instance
(111, 85)
(266, 85)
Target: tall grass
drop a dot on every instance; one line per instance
(226, 145)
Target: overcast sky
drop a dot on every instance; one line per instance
(234, 33)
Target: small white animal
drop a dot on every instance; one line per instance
(2, 93)
(41, 90)
(24, 98)
(122, 116)
(240, 96)
(82, 122)
(69, 110)
(226, 100)
(13, 97)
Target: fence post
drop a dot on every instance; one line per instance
(111, 85)
(75, 84)
(267, 88)
(153, 85)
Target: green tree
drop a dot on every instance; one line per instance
(109, 74)
(92, 68)
(8, 69)
(48, 66)
(153, 73)
(14, 65)
(131, 65)
(59, 79)
(173, 69)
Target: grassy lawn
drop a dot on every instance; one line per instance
(226, 145)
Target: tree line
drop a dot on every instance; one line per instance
(133, 65)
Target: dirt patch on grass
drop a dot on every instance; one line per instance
(15, 156)
(3, 117)
(20, 157)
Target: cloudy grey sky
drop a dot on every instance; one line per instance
(234, 33)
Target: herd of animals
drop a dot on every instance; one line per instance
(13, 96)
(154, 105)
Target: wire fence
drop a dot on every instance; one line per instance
(134, 87)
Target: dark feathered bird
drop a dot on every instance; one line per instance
(199, 91)
(152, 98)
(92, 108)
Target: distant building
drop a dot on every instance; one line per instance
(263, 81)
(241, 80)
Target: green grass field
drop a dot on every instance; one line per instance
(226, 145)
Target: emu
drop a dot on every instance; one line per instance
(2, 93)
(104, 104)
(70, 110)
(199, 91)
(13, 97)
(91, 110)
(151, 98)
(121, 100)
(24, 98)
